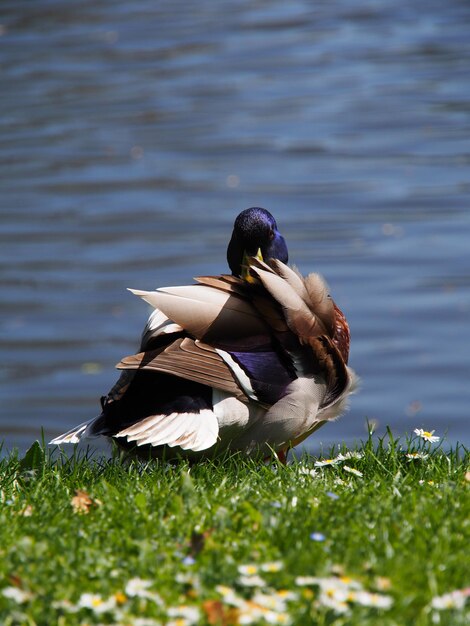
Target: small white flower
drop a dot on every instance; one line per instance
(224, 590)
(139, 588)
(453, 600)
(416, 456)
(351, 470)
(426, 435)
(335, 599)
(349, 583)
(252, 581)
(96, 603)
(335, 593)
(285, 594)
(338, 584)
(306, 581)
(273, 617)
(352, 454)
(248, 570)
(270, 601)
(273, 566)
(250, 614)
(190, 614)
(326, 462)
(16, 594)
(229, 596)
(377, 600)
(306, 471)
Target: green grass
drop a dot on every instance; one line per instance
(402, 530)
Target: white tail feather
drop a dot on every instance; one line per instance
(71, 436)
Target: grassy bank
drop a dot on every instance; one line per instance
(374, 537)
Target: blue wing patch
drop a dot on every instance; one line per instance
(262, 368)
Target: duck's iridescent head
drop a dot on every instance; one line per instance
(255, 229)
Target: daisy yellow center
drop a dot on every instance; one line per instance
(426, 433)
(272, 567)
(96, 601)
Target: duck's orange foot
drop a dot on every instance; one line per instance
(282, 456)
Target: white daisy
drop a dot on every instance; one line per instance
(273, 566)
(453, 600)
(271, 601)
(306, 471)
(426, 435)
(272, 617)
(187, 614)
(252, 581)
(96, 603)
(325, 462)
(352, 454)
(351, 470)
(377, 600)
(139, 588)
(287, 595)
(229, 596)
(306, 581)
(16, 594)
(334, 598)
(248, 570)
(416, 456)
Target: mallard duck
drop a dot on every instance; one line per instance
(254, 361)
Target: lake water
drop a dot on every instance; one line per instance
(131, 135)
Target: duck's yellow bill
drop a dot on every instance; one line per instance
(245, 275)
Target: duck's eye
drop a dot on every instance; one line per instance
(271, 235)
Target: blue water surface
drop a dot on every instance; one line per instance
(132, 133)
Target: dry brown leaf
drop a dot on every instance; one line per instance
(82, 502)
(220, 615)
(15, 580)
